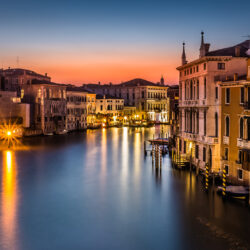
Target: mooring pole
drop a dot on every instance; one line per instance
(224, 180)
(206, 178)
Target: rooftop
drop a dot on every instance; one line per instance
(19, 71)
(244, 50)
(98, 96)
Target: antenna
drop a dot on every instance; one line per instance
(17, 61)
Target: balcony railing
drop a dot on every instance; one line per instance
(242, 143)
(226, 140)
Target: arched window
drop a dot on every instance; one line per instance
(216, 124)
(241, 127)
(227, 126)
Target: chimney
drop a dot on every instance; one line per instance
(46, 74)
(99, 83)
(235, 77)
(237, 51)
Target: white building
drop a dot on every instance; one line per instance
(199, 101)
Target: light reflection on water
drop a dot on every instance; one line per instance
(9, 201)
(96, 190)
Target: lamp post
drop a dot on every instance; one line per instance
(9, 136)
(190, 147)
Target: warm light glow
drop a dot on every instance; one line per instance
(114, 117)
(125, 118)
(9, 133)
(9, 199)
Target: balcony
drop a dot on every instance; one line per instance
(226, 140)
(242, 143)
(211, 140)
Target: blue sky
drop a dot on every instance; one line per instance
(91, 36)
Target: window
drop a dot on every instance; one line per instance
(197, 151)
(216, 93)
(216, 124)
(221, 66)
(226, 154)
(142, 94)
(240, 157)
(197, 89)
(248, 128)
(180, 145)
(242, 95)
(101, 107)
(197, 122)
(197, 68)
(241, 127)
(205, 88)
(204, 154)
(226, 169)
(240, 174)
(227, 126)
(205, 66)
(185, 145)
(227, 96)
(205, 122)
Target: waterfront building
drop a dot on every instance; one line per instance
(14, 79)
(199, 103)
(47, 106)
(235, 128)
(13, 112)
(107, 104)
(91, 109)
(76, 108)
(150, 99)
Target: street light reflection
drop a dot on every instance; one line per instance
(9, 200)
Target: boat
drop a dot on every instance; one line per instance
(239, 192)
(48, 134)
(62, 132)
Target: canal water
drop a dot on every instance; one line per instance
(96, 190)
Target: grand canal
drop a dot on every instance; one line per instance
(96, 190)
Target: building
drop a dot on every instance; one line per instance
(235, 129)
(76, 108)
(47, 106)
(107, 104)
(199, 103)
(150, 99)
(13, 112)
(91, 109)
(14, 79)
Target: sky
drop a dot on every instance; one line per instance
(82, 41)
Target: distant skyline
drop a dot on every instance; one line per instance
(112, 41)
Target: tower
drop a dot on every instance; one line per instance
(162, 80)
(183, 57)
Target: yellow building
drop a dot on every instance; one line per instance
(235, 126)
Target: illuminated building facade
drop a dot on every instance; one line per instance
(149, 99)
(235, 129)
(200, 105)
(48, 106)
(76, 109)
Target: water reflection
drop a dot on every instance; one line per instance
(9, 200)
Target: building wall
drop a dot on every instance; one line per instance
(235, 110)
(48, 106)
(109, 106)
(76, 110)
(200, 105)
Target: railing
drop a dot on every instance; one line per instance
(226, 140)
(242, 143)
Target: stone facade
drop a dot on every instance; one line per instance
(150, 99)
(235, 130)
(76, 109)
(200, 105)
(48, 106)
